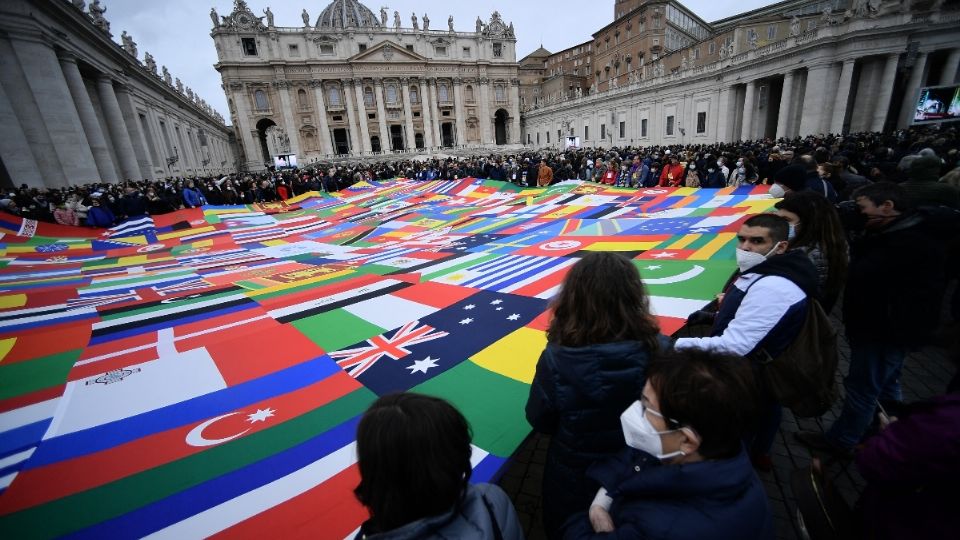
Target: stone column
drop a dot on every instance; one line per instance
(118, 129)
(458, 105)
(885, 89)
(842, 97)
(289, 120)
(724, 125)
(949, 74)
(362, 113)
(133, 130)
(812, 116)
(407, 113)
(71, 158)
(326, 145)
(356, 146)
(386, 141)
(250, 144)
(786, 98)
(515, 112)
(88, 118)
(426, 106)
(435, 113)
(749, 105)
(14, 148)
(485, 117)
(912, 93)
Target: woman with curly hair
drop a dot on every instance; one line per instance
(816, 229)
(599, 342)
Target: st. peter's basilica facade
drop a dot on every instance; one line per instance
(351, 82)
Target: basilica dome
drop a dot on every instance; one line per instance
(346, 14)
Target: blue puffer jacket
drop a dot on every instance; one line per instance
(474, 518)
(577, 396)
(720, 500)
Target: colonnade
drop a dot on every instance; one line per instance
(68, 122)
(850, 94)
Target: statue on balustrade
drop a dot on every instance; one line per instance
(269, 15)
(450, 23)
(150, 62)
(413, 19)
(383, 16)
(426, 22)
(396, 21)
(96, 15)
(306, 17)
(214, 17)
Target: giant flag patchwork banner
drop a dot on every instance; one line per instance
(203, 372)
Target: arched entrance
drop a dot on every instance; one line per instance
(262, 126)
(500, 125)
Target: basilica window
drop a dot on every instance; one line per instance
(302, 99)
(441, 50)
(443, 92)
(368, 97)
(500, 92)
(469, 92)
(249, 46)
(670, 121)
(497, 50)
(414, 95)
(260, 101)
(333, 96)
(326, 48)
(294, 50)
(772, 32)
(391, 93)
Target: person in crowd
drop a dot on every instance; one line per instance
(600, 339)
(684, 473)
(610, 175)
(192, 198)
(715, 177)
(815, 228)
(9, 206)
(788, 180)
(413, 452)
(848, 178)
(133, 204)
(283, 192)
(693, 175)
(98, 215)
(672, 173)
(744, 173)
(814, 181)
(157, 205)
(911, 472)
(761, 312)
(544, 174)
(882, 322)
(924, 189)
(64, 215)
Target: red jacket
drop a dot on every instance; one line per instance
(671, 175)
(609, 177)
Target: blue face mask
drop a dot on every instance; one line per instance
(791, 231)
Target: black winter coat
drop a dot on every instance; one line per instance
(577, 396)
(895, 284)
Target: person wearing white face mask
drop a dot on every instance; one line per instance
(684, 473)
(763, 310)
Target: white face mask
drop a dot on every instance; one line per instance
(719, 164)
(748, 259)
(777, 191)
(640, 433)
(791, 231)
(693, 167)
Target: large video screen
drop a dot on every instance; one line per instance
(285, 161)
(938, 104)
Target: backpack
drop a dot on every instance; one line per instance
(802, 377)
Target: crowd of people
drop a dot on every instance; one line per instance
(653, 437)
(834, 164)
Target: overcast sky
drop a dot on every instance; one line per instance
(177, 32)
